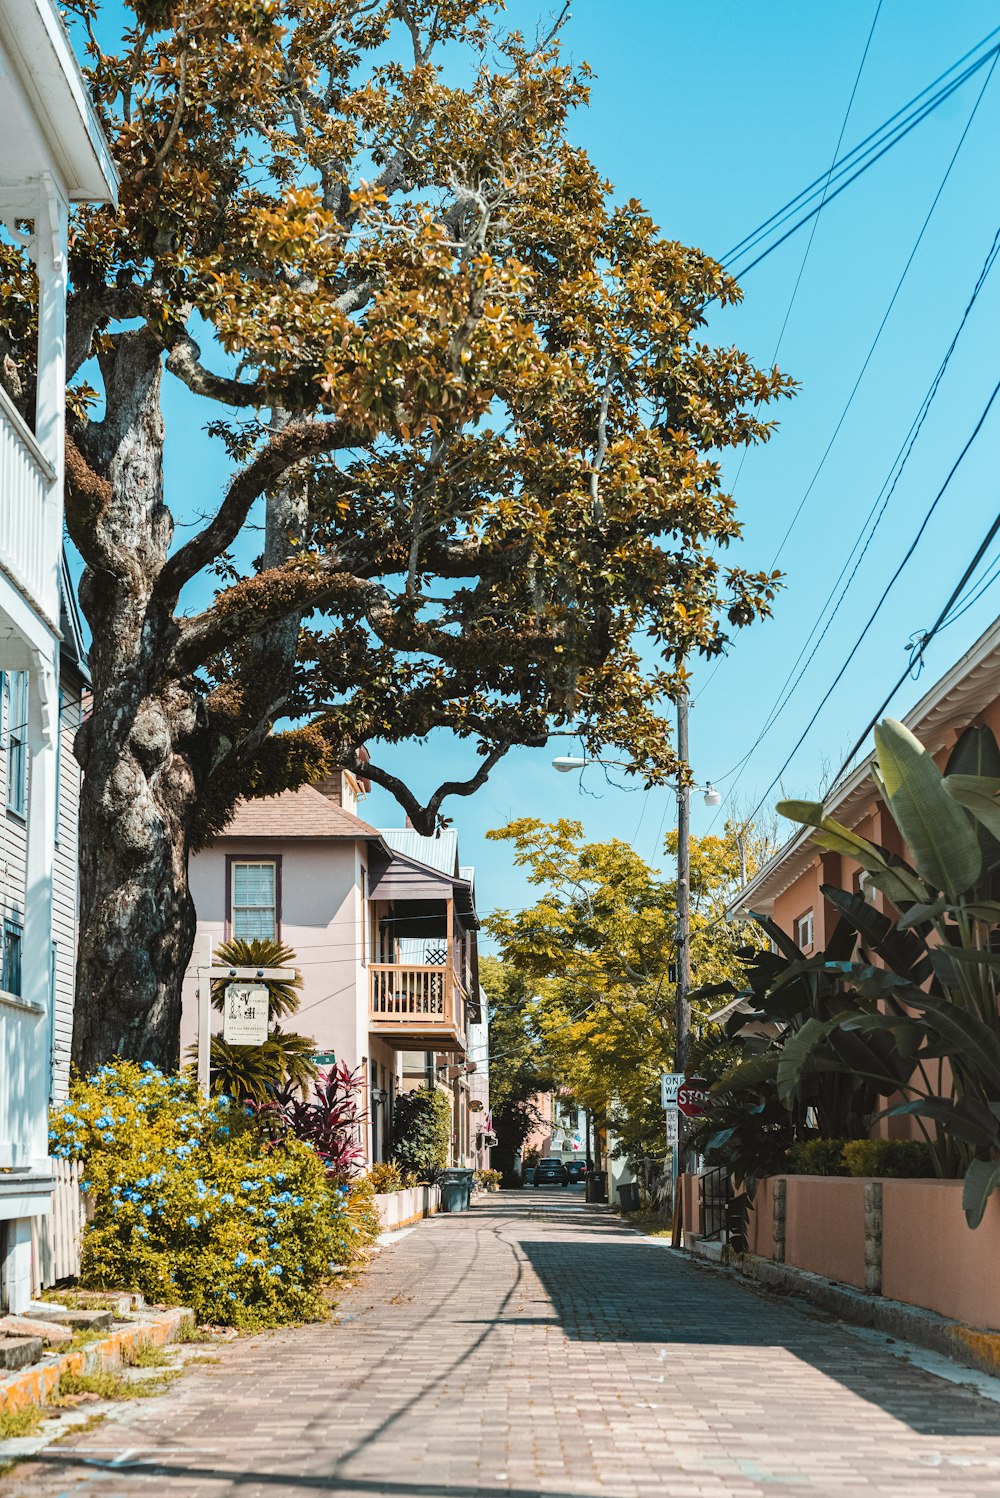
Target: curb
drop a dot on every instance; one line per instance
(972, 1346)
(35, 1385)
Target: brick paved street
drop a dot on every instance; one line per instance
(535, 1347)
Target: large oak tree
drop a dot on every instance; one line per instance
(464, 402)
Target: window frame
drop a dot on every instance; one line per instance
(232, 859)
(12, 928)
(807, 915)
(15, 684)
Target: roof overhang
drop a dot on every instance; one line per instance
(951, 705)
(49, 119)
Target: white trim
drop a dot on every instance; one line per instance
(954, 700)
(27, 437)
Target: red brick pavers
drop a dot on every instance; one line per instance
(535, 1347)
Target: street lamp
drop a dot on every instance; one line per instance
(564, 763)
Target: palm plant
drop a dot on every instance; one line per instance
(284, 1062)
(922, 1025)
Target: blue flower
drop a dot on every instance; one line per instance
(192, 1222)
(151, 1066)
(275, 1269)
(147, 1210)
(256, 1263)
(143, 1232)
(240, 1259)
(85, 1185)
(108, 1138)
(223, 1129)
(228, 1198)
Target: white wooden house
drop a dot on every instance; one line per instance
(54, 154)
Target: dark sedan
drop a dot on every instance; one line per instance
(551, 1172)
(577, 1170)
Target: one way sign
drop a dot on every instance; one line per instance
(670, 1082)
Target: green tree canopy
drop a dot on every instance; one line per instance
(471, 424)
(598, 947)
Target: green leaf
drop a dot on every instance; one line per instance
(749, 1074)
(898, 885)
(938, 832)
(972, 1042)
(977, 793)
(799, 1056)
(981, 1179)
(962, 1117)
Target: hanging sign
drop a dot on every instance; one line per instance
(672, 1127)
(245, 1014)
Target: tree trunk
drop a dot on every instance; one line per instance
(143, 748)
(148, 749)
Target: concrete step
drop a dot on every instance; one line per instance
(19, 1352)
(51, 1332)
(78, 1321)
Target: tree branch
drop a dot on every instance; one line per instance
(298, 441)
(184, 361)
(425, 818)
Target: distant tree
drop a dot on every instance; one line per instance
(473, 435)
(598, 949)
(517, 1071)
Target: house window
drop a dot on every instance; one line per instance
(17, 741)
(253, 896)
(10, 967)
(804, 931)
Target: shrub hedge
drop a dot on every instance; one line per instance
(194, 1203)
(888, 1159)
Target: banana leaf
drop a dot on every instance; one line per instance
(747, 1074)
(970, 1041)
(981, 1178)
(898, 884)
(963, 1117)
(938, 832)
(905, 952)
(977, 793)
(780, 938)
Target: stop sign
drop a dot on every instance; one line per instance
(693, 1096)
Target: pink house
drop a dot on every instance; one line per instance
(384, 939)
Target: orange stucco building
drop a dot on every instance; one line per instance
(788, 886)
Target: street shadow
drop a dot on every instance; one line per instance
(619, 1290)
(284, 1482)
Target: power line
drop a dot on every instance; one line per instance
(807, 193)
(916, 120)
(885, 593)
(884, 496)
(885, 317)
(938, 624)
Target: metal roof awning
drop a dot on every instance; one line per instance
(404, 880)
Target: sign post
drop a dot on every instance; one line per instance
(670, 1083)
(245, 1014)
(247, 979)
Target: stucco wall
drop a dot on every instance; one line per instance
(825, 1227)
(320, 921)
(932, 1258)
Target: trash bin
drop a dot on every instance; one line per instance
(456, 1189)
(597, 1185)
(628, 1196)
(529, 1175)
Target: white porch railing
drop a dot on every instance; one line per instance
(19, 1099)
(27, 547)
(56, 1239)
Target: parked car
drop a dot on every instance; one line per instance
(551, 1172)
(577, 1170)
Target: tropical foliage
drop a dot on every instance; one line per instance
(283, 1064)
(917, 1035)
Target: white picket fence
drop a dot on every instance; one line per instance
(55, 1239)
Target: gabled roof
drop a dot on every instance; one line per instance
(437, 852)
(303, 813)
(951, 704)
(408, 879)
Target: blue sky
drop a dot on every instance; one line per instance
(714, 114)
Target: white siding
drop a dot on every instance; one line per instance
(66, 889)
(13, 847)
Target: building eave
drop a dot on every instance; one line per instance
(35, 38)
(951, 704)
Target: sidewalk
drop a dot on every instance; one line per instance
(536, 1347)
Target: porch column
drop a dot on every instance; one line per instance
(36, 957)
(15, 1271)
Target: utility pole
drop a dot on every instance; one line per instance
(682, 1023)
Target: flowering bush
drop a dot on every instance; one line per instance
(196, 1204)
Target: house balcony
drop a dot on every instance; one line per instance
(417, 1008)
(29, 543)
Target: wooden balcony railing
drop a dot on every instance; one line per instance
(416, 1005)
(29, 544)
